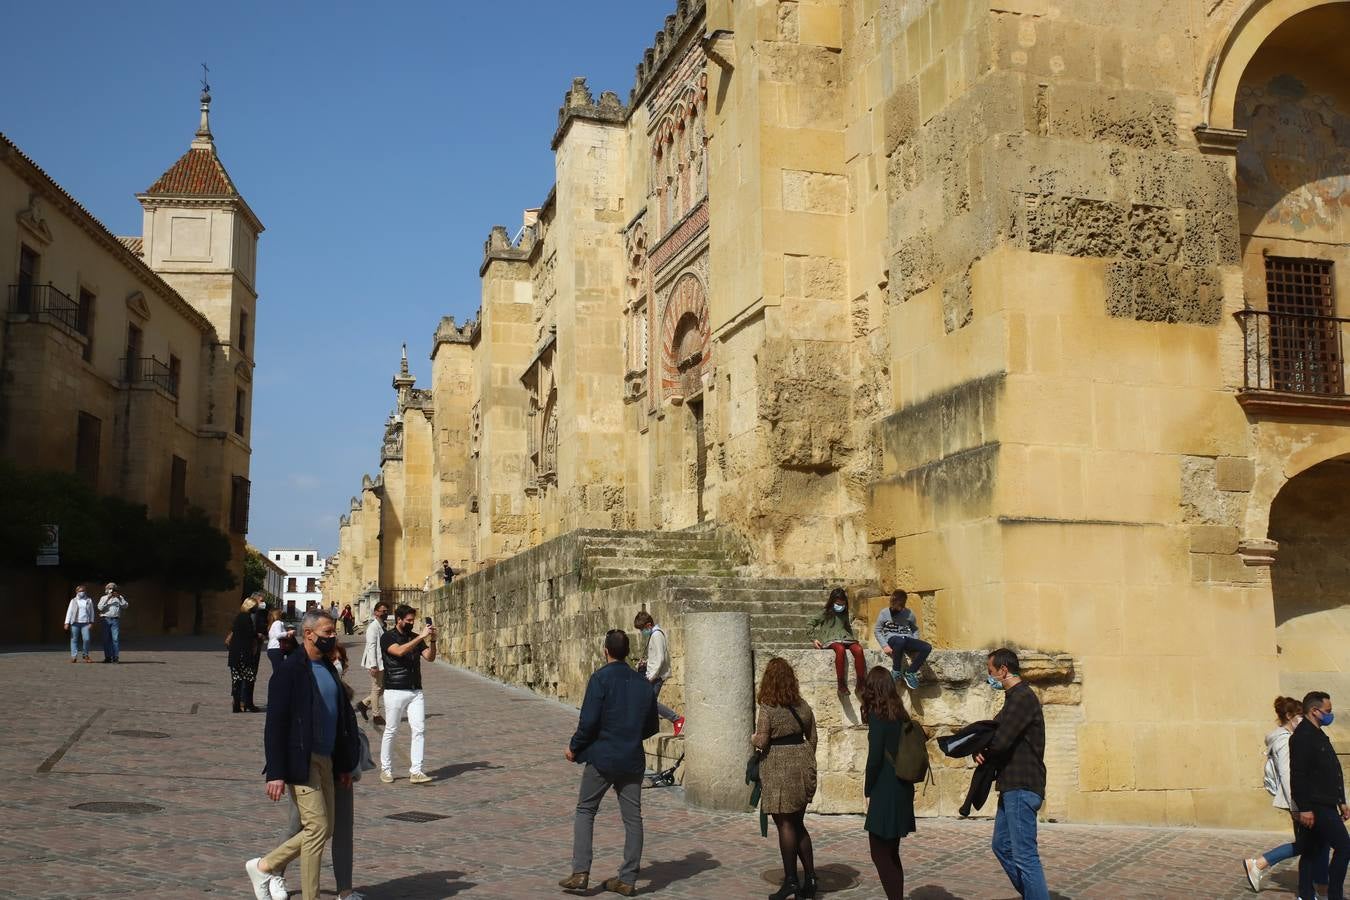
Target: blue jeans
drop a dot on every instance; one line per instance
(918, 652)
(79, 639)
(1320, 863)
(662, 710)
(1015, 843)
(112, 638)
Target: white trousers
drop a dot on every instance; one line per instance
(396, 703)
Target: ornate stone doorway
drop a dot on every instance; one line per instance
(1310, 579)
(700, 456)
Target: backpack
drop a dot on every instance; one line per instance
(910, 761)
(1272, 775)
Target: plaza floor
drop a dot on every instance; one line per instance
(156, 732)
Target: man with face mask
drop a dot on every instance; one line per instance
(657, 664)
(311, 740)
(403, 652)
(1018, 747)
(1317, 789)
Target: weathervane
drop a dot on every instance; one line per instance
(206, 88)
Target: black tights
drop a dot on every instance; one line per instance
(794, 842)
(886, 857)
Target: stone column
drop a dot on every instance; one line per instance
(719, 703)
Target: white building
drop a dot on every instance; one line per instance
(304, 569)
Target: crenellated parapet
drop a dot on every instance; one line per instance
(500, 246)
(578, 103)
(449, 332)
(688, 16)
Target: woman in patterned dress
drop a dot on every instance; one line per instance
(243, 661)
(785, 736)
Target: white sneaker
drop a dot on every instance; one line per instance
(261, 880)
(355, 895)
(277, 885)
(1253, 874)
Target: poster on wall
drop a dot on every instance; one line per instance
(49, 551)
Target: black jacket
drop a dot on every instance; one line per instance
(1315, 777)
(618, 714)
(974, 738)
(288, 737)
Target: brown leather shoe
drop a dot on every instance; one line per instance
(576, 882)
(619, 887)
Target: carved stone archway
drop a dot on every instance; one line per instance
(686, 339)
(1245, 34)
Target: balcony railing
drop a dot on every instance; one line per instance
(1293, 359)
(45, 303)
(149, 370)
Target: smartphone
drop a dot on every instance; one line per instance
(427, 620)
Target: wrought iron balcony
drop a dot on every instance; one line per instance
(149, 370)
(1294, 363)
(45, 303)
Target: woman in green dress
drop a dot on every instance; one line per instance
(890, 808)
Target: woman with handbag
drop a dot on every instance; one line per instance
(890, 807)
(242, 642)
(785, 736)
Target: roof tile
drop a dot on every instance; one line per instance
(198, 173)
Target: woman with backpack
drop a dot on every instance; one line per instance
(834, 630)
(890, 807)
(1288, 712)
(785, 737)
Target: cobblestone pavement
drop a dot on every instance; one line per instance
(158, 730)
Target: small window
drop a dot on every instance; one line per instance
(309, 586)
(239, 400)
(1305, 349)
(295, 558)
(290, 585)
(87, 439)
(177, 487)
(309, 559)
(85, 323)
(243, 331)
(239, 496)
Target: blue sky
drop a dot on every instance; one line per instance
(377, 143)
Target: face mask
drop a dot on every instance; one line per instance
(1327, 719)
(839, 607)
(647, 632)
(994, 682)
(405, 627)
(325, 644)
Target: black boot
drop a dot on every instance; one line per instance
(808, 886)
(788, 891)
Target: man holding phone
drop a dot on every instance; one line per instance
(402, 652)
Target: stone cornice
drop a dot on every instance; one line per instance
(579, 104)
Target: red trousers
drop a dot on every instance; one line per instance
(859, 668)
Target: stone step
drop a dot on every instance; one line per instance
(640, 570)
(691, 564)
(657, 539)
(741, 582)
(607, 551)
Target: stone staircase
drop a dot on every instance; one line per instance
(699, 571)
(612, 558)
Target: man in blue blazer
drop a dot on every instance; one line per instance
(310, 738)
(617, 715)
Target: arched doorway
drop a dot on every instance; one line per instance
(685, 363)
(1310, 581)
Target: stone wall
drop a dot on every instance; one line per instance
(953, 694)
